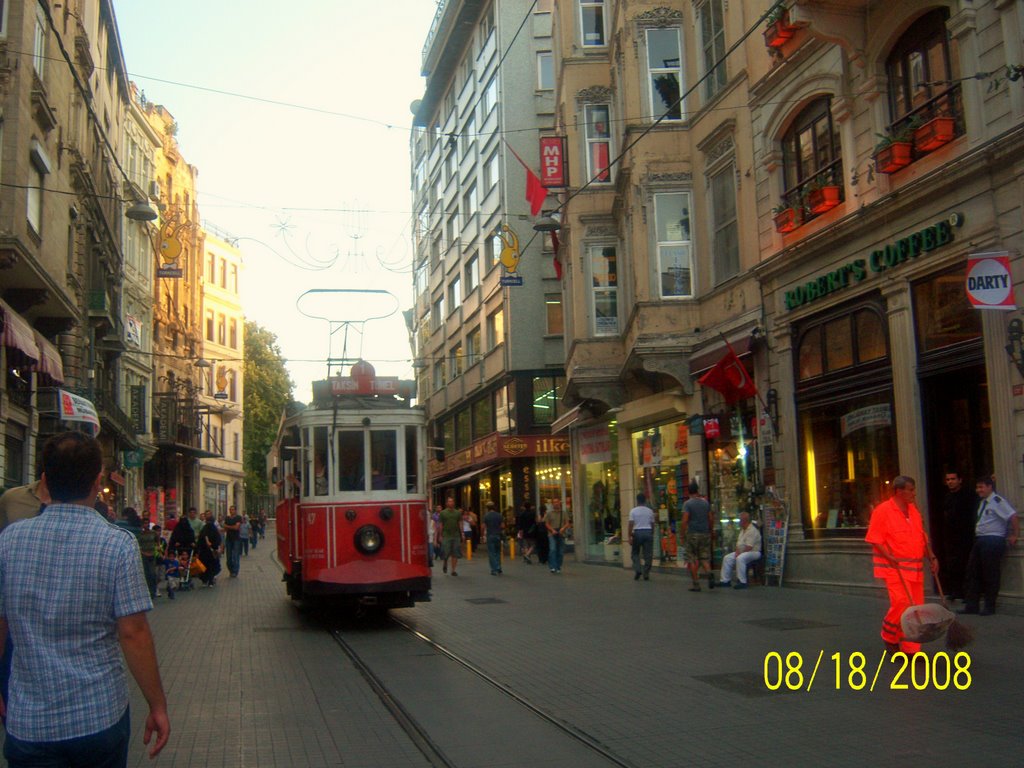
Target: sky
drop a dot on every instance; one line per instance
(299, 127)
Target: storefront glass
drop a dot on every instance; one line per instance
(659, 455)
(732, 472)
(554, 481)
(597, 448)
(849, 460)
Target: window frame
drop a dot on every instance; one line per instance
(595, 138)
(599, 250)
(794, 191)
(545, 65)
(718, 226)
(653, 71)
(598, 8)
(660, 246)
(714, 49)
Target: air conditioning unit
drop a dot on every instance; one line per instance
(154, 189)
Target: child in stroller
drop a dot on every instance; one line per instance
(177, 565)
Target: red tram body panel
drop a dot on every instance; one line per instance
(352, 511)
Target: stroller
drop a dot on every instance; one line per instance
(179, 571)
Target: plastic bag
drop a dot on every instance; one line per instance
(924, 623)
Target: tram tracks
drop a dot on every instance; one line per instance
(420, 735)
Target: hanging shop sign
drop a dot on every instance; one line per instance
(712, 429)
(509, 256)
(552, 161)
(892, 255)
(76, 408)
(595, 445)
(989, 283)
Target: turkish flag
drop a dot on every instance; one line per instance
(535, 192)
(730, 378)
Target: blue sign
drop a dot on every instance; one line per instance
(510, 280)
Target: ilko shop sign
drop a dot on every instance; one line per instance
(892, 255)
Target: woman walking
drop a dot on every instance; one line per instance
(208, 550)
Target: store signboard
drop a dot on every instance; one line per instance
(989, 283)
(595, 445)
(862, 418)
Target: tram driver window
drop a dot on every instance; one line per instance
(411, 461)
(384, 458)
(351, 467)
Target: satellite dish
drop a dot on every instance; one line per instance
(415, 106)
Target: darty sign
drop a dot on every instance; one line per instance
(892, 255)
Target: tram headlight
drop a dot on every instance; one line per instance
(369, 539)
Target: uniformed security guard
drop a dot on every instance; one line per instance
(996, 528)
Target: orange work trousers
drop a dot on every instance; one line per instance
(892, 631)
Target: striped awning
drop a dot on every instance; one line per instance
(50, 368)
(18, 335)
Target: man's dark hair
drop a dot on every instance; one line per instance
(71, 461)
(640, 498)
(903, 481)
(987, 480)
(694, 488)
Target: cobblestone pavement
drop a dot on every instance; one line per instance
(660, 676)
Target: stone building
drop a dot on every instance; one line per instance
(487, 322)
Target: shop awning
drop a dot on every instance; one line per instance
(704, 361)
(568, 418)
(50, 368)
(463, 478)
(18, 334)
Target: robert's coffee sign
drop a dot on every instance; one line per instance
(892, 255)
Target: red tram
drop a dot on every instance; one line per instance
(352, 509)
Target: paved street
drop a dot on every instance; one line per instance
(655, 674)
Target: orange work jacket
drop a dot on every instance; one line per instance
(904, 535)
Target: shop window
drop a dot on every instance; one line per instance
(841, 343)
(849, 459)
(942, 312)
(811, 156)
(662, 475)
(924, 75)
(547, 398)
(598, 461)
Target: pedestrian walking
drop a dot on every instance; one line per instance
(557, 523)
(896, 534)
(208, 545)
(641, 537)
(452, 536)
(697, 526)
(68, 699)
(183, 539)
(996, 529)
(195, 521)
(542, 544)
(526, 522)
(233, 540)
(244, 534)
(494, 528)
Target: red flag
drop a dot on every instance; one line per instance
(730, 378)
(557, 261)
(536, 194)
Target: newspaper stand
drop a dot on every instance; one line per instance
(774, 532)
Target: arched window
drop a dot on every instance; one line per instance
(923, 74)
(811, 156)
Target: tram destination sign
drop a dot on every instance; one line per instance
(894, 254)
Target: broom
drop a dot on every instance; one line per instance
(958, 634)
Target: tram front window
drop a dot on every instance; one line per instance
(383, 457)
(351, 461)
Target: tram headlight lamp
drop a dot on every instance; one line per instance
(369, 539)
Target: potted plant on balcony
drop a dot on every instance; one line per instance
(934, 133)
(779, 30)
(786, 217)
(893, 150)
(821, 196)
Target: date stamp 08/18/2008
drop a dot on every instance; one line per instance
(911, 672)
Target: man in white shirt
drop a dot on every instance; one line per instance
(748, 550)
(996, 528)
(641, 536)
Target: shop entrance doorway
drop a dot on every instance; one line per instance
(957, 437)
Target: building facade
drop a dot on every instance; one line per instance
(221, 478)
(65, 96)
(658, 279)
(883, 364)
(487, 320)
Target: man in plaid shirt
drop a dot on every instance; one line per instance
(68, 701)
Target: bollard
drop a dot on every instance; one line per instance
(469, 549)
(512, 549)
